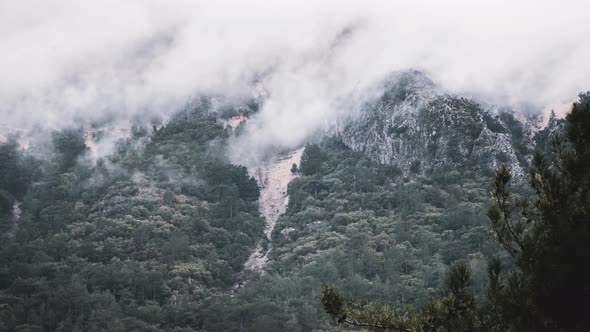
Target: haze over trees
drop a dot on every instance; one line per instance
(139, 241)
(153, 237)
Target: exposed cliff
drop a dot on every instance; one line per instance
(422, 129)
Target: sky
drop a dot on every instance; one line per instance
(67, 63)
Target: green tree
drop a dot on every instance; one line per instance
(455, 311)
(16, 171)
(69, 145)
(311, 160)
(547, 234)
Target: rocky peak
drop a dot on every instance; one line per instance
(422, 129)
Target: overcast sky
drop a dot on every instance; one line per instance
(63, 62)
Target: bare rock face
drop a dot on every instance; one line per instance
(419, 128)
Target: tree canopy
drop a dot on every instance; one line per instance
(546, 233)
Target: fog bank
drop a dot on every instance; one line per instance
(71, 62)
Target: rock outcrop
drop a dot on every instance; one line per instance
(420, 128)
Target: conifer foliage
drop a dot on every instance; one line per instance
(547, 233)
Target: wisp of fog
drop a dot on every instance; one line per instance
(69, 63)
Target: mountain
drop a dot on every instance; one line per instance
(139, 240)
(419, 128)
(385, 204)
(155, 235)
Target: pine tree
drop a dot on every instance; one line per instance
(548, 237)
(311, 160)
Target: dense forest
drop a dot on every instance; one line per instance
(153, 237)
(138, 241)
(546, 235)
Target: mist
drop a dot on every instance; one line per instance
(70, 63)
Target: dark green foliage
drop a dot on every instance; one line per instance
(220, 174)
(311, 160)
(544, 138)
(229, 110)
(16, 170)
(547, 236)
(6, 201)
(356, 224)
(153, 237)
(519, 136)
(333, 302)
(493, 123)
(141, 241)
(415, 167)
(69, 145)
(455, 311)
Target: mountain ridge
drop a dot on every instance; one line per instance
(418, 127)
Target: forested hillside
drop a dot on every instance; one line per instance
(138, 241)
(296, 166)
(154, 236)
(385, 206)
(545, 232)
(362, 226)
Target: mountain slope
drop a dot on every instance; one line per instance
(139, 241)
(153, 236)
(420, 129)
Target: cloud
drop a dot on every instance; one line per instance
(70, 62)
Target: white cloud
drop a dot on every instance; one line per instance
(64, 62)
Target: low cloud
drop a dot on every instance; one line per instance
(70, 63)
